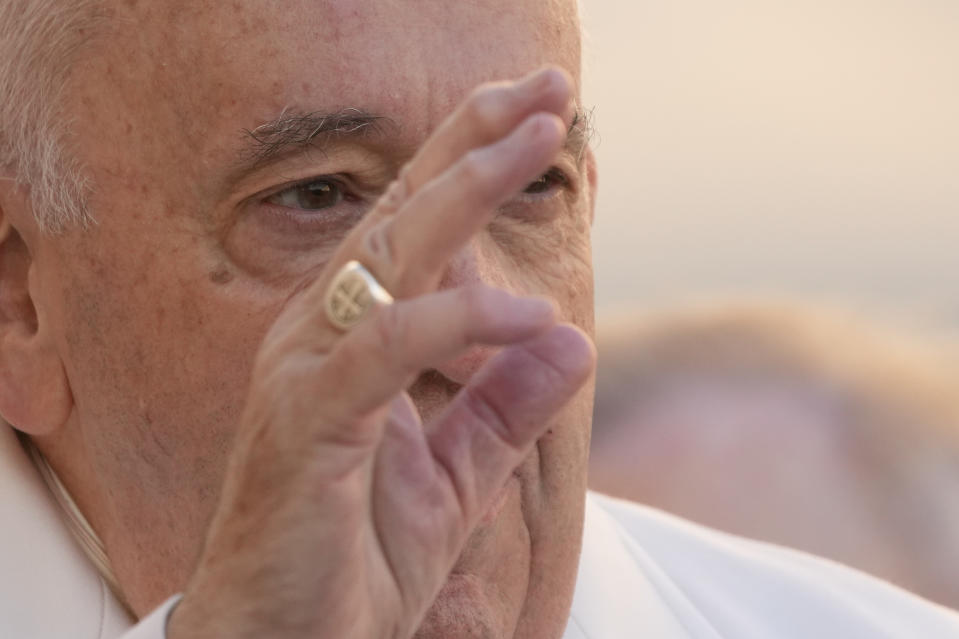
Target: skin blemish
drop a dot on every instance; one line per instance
(221, 275)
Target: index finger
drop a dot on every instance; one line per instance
(413, 248)
(491, 112)
(456, 180)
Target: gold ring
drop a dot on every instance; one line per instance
(351, 294)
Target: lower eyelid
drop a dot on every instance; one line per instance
(554, 191)
(337, 219)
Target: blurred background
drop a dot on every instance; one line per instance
(777, 272)
(778, 147)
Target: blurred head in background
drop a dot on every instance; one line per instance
(800, 427)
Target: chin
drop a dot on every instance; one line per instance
(462, 609)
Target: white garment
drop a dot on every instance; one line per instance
(643, 575)
(48, 587)
(646, 574)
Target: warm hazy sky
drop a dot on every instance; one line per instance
(800, 146)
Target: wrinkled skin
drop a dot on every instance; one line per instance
(150, 326)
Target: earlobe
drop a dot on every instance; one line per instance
(35, 396)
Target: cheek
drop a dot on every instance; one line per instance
(158, 352)
(552, 259)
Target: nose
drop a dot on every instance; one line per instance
(473, 264)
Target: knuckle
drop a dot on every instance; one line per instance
(473, 170)
(397, 194)
(380, 243)
(485, 108)
(478, 301)
(391, 328)
(481, 408)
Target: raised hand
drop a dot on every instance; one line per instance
(342, 513)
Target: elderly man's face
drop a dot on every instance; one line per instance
(202, 238)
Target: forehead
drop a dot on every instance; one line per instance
(250, 58)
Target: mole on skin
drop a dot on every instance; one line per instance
(221, 275)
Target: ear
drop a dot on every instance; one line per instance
(592, 178)
(35, 396)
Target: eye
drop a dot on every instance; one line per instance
(552, 179)
(315, 195)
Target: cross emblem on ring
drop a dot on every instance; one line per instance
(350, 299)
(351, 294)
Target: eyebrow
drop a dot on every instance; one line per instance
(293, 130)
(580, 134)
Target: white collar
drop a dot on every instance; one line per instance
(621, 592)
(79, 527)
(48, 587)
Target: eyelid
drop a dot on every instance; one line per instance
(309, 223)
(562, 182)
(559, 175)
(289, 186)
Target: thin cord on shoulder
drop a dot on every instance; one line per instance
(78, 525)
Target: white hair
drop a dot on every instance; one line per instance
(39, 40)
